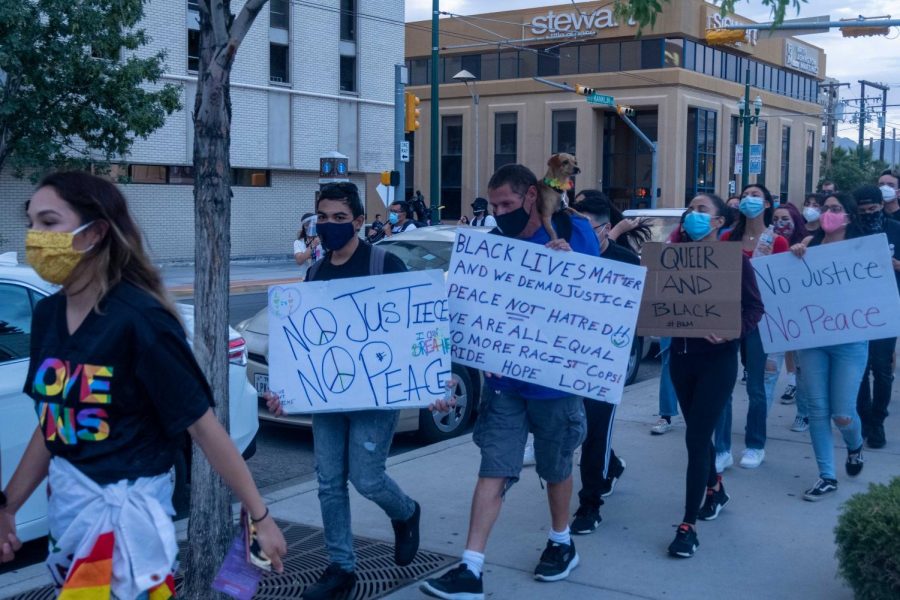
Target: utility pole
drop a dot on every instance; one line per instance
(748, 118)
(401, 78)
(883, 121)
(893, 146)
(863, 114)
(435, 161)
(830, 125)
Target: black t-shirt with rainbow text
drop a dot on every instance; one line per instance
(115, 397)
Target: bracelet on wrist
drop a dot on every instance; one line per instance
(261, 519)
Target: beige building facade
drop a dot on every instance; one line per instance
(684, 94)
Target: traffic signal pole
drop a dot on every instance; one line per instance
(435, 161)
(400, 80)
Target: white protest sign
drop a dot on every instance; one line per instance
(563, 320)
(359, 343)
(837, 293)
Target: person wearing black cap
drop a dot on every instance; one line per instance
(482, 218)
(873, 399)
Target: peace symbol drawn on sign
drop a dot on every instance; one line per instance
(319, 326)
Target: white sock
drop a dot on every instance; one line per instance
(560, 537)
(474, 561)
(792, 378)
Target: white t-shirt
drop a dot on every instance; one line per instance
(300, 247)
(488, 221)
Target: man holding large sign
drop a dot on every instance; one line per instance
(520, 400)
(329, 351)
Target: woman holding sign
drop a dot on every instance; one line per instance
(116, 387)
(755, 231)
(703, 371)
(832, 374)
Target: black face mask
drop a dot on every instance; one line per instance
(872, 222)
(335, 236)
(512, 223)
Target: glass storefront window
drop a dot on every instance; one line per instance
(451, 165)
(509, 64)
(564, 128)
(490, 66)
(689, 55)
(548, 62)
(568, 60)
(785, 161)
(609, 58)
(505, 138)
(810, 159)
(700, 175)
(472, 64)
(652, 54)
(674, 53)
(762, 131)
(528, 62)
(589, 58)
(630, 56)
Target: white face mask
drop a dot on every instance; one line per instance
(811, 214)
(888, 193)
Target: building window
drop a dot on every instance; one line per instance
(181, 175)
(419, 71)
(348, 20)
(762, 134)
(278, 63)
(810, 159)
(630, 55)
(627, 162)
(451, 165)
(528, 63)
(348, 73)
(701, 153)
(674, 53)
(568, 60)
(509, 64)
(548, 62)
(472, 64)
(193, 5)
(279, 14)
(154, 174)
(450, 66)
(193, 50)
(251, 177)
(690, 51)
(785, 161)
(652, 54)
(564, 125)
(589, 58)
(609, 58)
(505, 139)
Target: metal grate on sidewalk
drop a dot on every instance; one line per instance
(377, 575)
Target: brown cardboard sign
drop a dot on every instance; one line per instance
(691, 290)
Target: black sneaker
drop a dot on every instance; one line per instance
(332, 583)
(586, 520)
(715, 501)
(855, 462)
(456, 584)
(822, 488)
(790, 392)
(612, 476)
(406, 538)
(557, 561)
(875, 438)
(685, 543)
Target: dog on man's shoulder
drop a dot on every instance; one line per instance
(552, 189)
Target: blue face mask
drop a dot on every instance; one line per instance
(393, 218)
(697, 225)
(752, 206)
(335, 236)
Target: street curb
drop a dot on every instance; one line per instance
(236, 287)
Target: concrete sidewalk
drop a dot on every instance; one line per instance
(767, 543)
(246, 276)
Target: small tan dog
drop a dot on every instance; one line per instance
(552, 189)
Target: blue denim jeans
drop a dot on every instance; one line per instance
(668, 402)
(354, 446)
(760, 392)
(830, 382)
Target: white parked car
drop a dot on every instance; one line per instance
(20, 290)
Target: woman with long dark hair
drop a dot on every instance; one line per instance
(703, 371)
(115, 386)
(752, 230)
(631, 233)
(831, 375)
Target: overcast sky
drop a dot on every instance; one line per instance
(848, 59)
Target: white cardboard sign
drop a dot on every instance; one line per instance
(837, 293)
(359, 343)
(562, 320)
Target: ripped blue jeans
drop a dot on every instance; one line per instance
(353, 446)
(831, 378)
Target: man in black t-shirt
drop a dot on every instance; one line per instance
(600, 467)
(873, 399)
(353, 445)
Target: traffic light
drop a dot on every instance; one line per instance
(624, 110)
(864, 31)
(411, 122)
(717, 37)
(584, 91)
(390, 178)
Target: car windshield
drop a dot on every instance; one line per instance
(661, 227)
(421, 255)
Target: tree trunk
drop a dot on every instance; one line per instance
(210, 527)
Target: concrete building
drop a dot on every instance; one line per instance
(684, 94)
(309, 78)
